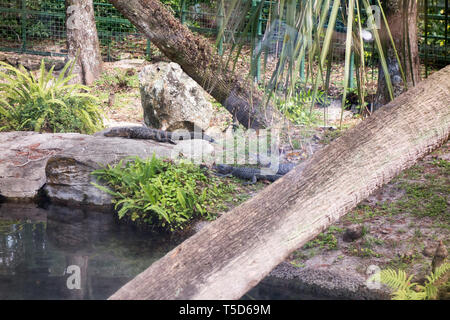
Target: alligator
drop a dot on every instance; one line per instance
(252, 174)
(135, 132)
(284, 168)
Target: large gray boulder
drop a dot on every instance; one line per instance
(23, 156)
(172, 100)
(68, 174)
(61, 163)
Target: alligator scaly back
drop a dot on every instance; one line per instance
(246, 173)
(140, 132)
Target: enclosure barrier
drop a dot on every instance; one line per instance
(38, 27)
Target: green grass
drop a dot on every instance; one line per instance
(325, 240)
(363, 252)
(369, 242)
(426, 189)
(331, 135)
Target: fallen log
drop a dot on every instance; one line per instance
(231, 255)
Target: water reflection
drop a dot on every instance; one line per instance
(36, 247)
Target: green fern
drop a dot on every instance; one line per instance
(161, 193)
(43, 102)
(404, 289)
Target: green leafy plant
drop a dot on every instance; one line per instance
(407, 290)
(118, 80)
(44, 102)
(298, 108)
(325, 240)
(160, 192)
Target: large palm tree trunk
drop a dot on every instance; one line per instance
(401, 16)
(199, 60)
(231, 255)
(82, 40)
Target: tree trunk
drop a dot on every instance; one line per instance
(401, 16)
(82, 40)
(231, 255)
(199, 60)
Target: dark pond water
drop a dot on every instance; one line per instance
(64, 253)
(48, 254)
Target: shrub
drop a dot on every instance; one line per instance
(160, 193)
(46, 103)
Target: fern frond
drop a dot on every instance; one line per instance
(439, 273)
(397, 280)
(405, 290)
(29, 101)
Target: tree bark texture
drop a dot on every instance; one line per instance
(231, 255)
(200, 61)
(401, 16)
(82, 40)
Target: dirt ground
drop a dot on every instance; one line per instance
(402, 224)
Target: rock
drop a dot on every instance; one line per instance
(199, 225)
(445, 156)
(439, 256)
(56, 64)
(23, 157)
(172, 100)
(333, 111)
(108, 123)
(69, 173)
(324, 283)
(29, 63)
(63, 163)
(129, 64)
(199, 151)
(407, 256)
(428, 251)
(353, 233)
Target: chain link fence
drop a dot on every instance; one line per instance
(434, 29)
(38, 27)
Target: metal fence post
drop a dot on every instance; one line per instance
(351, 81)
(446, 31)
(24, 26)
(108, 52)
(259, 29)
(302, 68)
(183, 12)
(433, 48)
(219, 27)
(147, 50)
(257, 63)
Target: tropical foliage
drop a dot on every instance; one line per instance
(46, 103)
(159, 192)
(297, 108)
(404, 289)
(305, 30)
